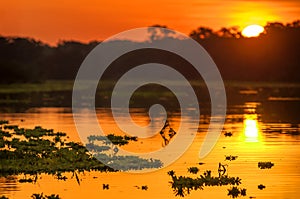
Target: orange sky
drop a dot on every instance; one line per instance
(85, 20)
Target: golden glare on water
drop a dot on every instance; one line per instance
(251, 128)
(252, 31)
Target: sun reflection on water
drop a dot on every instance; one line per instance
(251, 128)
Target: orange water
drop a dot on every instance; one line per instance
(249, 142)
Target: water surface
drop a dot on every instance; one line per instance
(262, 117)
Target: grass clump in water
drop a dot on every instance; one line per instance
(193, 170)
(235, 192)
(182, 185)
(41, 196)
(105, 149)
(265, 165)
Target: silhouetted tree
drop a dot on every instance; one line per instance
(202, 33)
(272, 56)
(232, 32)
(157, 32)
(21, 60)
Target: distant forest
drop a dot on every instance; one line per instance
(273, 56)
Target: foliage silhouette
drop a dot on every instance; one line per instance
(235, 192)
(39, 150)
(182, 185)
(265, 165)
(273, 56)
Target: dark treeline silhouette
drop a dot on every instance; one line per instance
(273, 56)
(27, 60)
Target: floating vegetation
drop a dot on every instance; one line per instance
(59, 176)
(106, 152)
(1, 123)
(265, 165)
(3, 197)
(228, 134)
(193, 170)
(41, 196)
(143, 187)
(115, 139)
(30, 180)
(182, 185)
(230, 157)
(38, 150)
(126, 163)
(235, 192)
(261, 186)
(105, 186)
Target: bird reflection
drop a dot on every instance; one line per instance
(167, 133)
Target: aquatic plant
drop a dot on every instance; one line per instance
(33, 151)
(145, 187)
(105, 186)
(38, 150)
(3, 197)
(265, 165)
(53, 196)
(228, 134)
(235, 192)
(3, 122)
(230, 157)
(114, 139)
(30, 180)
(125, 163)
(37, 196)
(261, 186)
(182, 185)
(59, 176)
(100, 147)
(41, 196)
(193, 170)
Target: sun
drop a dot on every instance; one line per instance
(252, 31)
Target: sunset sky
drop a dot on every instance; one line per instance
(54, 20)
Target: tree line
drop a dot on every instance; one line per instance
(273, 56)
